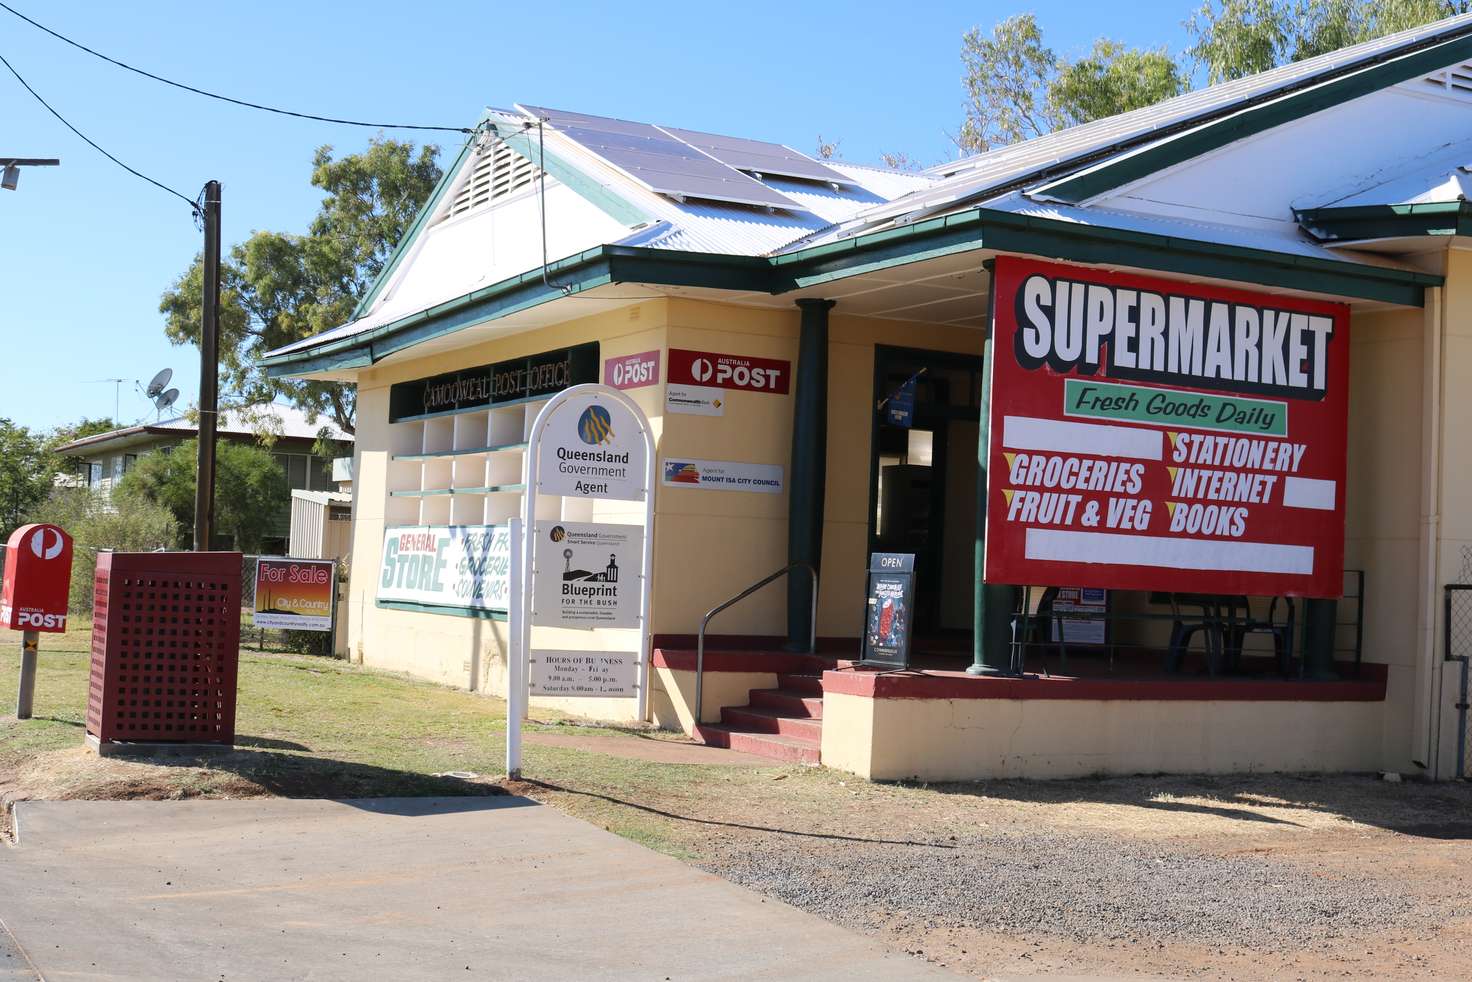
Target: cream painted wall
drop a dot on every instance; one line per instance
(980, 739)
(1383, 508)
(707, 544)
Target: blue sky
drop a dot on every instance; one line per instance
(86, 250)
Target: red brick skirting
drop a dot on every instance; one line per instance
(1369, 687)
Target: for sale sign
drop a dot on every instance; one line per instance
(295, 594)
(1154, 435)
(716, 371)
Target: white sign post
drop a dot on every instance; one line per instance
(588, 442)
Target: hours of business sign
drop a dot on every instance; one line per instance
(543, 374)
(1155, 435)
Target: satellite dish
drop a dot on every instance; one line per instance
(156, 387)
(165, 399)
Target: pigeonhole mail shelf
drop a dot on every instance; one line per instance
(165, 647)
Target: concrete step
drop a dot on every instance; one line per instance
(789, 702)
(775, 746)
(761, 720)
(808, 685)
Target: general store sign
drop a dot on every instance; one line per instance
(1153, 435)
(716, 371)
(534, 376)
(464, 566)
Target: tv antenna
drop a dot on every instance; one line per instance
(156, 386)
(116, 389)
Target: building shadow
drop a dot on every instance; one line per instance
(368, 786)
(676, 816)
(1413, 808)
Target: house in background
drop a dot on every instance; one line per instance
(103, 459)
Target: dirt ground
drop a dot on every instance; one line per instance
(1265, 877)
(1231, 877)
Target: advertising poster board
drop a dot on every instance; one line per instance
(465, 566)
(585, 674)
(889, 607)
(294, 594)
(587, 575)
(1151, 434)
(1081, 630)
(592, 447)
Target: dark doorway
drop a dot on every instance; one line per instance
(922, 493)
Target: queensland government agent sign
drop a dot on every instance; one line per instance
(592, 447)
(1150, 434)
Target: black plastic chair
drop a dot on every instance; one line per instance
(1184, 627)
(1239, 622)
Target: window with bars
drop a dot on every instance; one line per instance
(498, 171)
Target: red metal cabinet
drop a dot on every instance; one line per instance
(165, 647)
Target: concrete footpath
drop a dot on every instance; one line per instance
(405, 888)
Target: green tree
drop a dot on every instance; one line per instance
(251, 492)
(1234, 38)
(123, 525)
(27, 473)
(1018, 88)
(277, 288)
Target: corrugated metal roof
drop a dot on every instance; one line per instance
(1441, 176)
(970, 179)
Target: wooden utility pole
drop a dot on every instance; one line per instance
(209, 372)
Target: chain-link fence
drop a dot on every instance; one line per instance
(1457, 638)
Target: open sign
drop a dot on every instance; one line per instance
(38, 573)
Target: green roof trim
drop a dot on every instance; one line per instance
(970, 231)
(601, 196)
(1250, 121)
(447, 177)
(1356, 222)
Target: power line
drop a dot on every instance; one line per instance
(194, 204)
(225, 98)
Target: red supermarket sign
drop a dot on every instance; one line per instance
(729, 371)
(1148, 434)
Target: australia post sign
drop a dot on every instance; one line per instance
(38, 573)
(1155, 435)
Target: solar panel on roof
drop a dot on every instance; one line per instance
(759, 156)
(661, 162)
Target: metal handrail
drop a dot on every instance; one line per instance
(705, 621)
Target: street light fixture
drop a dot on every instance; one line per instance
(11, 175)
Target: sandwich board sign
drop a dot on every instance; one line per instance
(589, 442)
(889, 610)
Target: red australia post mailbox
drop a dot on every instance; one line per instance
(38, 574)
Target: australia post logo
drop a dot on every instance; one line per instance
(47, 542)
(719, 371)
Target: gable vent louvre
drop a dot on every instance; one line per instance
(1455, 82)
(498, 171)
